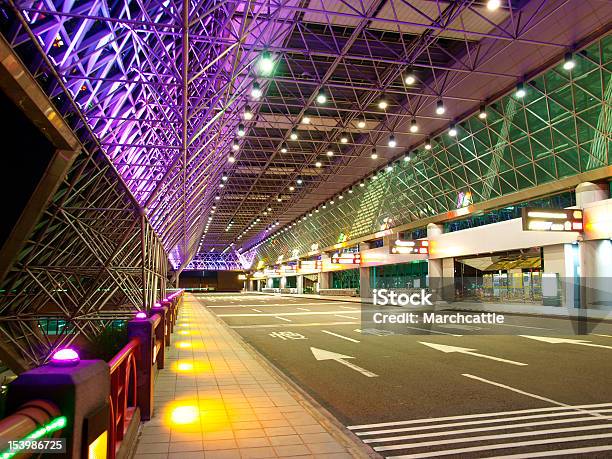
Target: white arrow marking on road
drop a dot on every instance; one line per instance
(322, 354)
(465, 350)
(552, 340)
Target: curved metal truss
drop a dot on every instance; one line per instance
(232, 261)
(163, 85)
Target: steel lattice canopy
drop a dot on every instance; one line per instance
(164, 86)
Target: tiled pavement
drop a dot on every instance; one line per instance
(214, 400)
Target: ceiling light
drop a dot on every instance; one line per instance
(374, 155)
(217, 198)
(306, 119)
(382, 103)
(414, 127)
(291, 188)
(520, 90)
(568, 61)
(279, 199)
(299, 181)
(256, 90)
(321, 97)
(224, 178)
(266, 63)
(409, 156)
(343, 139)
(331, 203)
(392, 142)
(231, 158)
(269, 209)
(248, 114)
(361, 124)
(293, 135)
(389, 168)
(241, 130)
(493, 5)
(283, 149)
(428, 144)
(410, 77)
(440, 109)
(329, 153)
(318, 164)
(340, 197)
(362, 184)
(235, 145)
(452, 130)
(350, 191)
(482, 112)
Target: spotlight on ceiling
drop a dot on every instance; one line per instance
(241, 130)
(440, 109)
(344, 138)
(392, 142)
(361, 124)
(224, 178)
(266, 63)
(452, 131)
(482, 112)
(248, 113)
(520, 90)
(568, 61)
(256, 90)
(306, 119)
(318, 164)
(409, 156)
(235, 145)
(283, 148)
(291, 188)
(493, 5)
(410, 77)
(294, 134)
(373, 155)
(329, 153)
(217, 198)
(382, 103)
(428, 144)
(231, 159)
(321, 97)
(414, 127)
(299, 181)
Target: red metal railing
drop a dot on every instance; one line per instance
(123, 399)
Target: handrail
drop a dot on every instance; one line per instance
(123, 398)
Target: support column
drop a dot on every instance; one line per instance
(300, 284)
(365, 288)
(283, 282)
(595, 268)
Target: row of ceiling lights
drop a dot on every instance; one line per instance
(520, 92)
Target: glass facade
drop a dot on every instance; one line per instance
(346, 279)
(399, 276)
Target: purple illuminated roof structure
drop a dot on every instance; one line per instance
(164, 86)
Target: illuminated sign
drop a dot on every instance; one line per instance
(309, 264)
(346, 258)
(419, 247)
(556, 220)
(464, 199)
(342, 238)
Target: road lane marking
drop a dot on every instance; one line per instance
(311, 313)
(282, 318)
(604, 336)
(314, 324)
(550, 414)
(346, 317)
(303, 309)
(256, 310)
(464, 350)
(529, 394)
(322, 354)
(553, 340)
(525, 326)
(341, 336)
(349, 307)
(479, 429)
(562, 407)
(430, 331)
(546, 441)
(559, 452)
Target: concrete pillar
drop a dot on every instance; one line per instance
(587, 192)
(300, 284)
(269, 282)
(365, 288)
(324, 280)
(434, 267)
(283, 282)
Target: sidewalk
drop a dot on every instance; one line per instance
(216, 400)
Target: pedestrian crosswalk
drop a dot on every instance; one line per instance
(539, 432)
